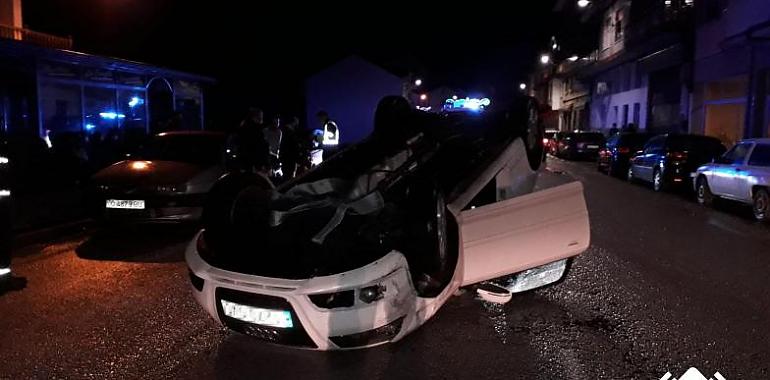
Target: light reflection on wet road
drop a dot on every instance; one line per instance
(666, 285)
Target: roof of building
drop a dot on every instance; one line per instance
(25, 50)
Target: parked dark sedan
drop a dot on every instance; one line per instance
(668, 160)
(580, 145)
(166, 182)
(614, 158)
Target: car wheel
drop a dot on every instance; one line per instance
(762, 205)
(703, 192)
(658, 183)
(630, 175)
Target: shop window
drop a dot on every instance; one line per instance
(60, 107)
(736, 87)
(101, 113)
(725, 122)
(131, 104)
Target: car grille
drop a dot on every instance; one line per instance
(378, 335)
(294, 336)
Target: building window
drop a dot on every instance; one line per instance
(625, 115)
(637, 114)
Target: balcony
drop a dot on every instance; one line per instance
(36, 38)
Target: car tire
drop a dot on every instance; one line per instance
(658, 183)
(703, 192)
(761, 205)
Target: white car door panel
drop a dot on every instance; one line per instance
(521, 233)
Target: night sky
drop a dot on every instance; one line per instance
(261, 55)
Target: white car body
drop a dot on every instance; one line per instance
(737, 179)
(533, 234)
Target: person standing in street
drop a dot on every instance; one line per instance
(5, 212)
(273, 135)
(246, 147)
(289, 147)
(331, 132)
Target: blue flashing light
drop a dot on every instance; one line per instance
(111, 115)
(468, 104)
(135, 101)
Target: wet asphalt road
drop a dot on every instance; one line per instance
(665, 286)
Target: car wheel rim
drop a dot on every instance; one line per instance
(657, 181)
(630, 174)
(760, 206)
(701, 191)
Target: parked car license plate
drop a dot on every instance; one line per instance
(265, 317)
(592, 146)
(130, 204)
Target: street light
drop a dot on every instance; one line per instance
(583, 3)
(522, 86)
(545, 58)
(424, 97)
(418, 82)
(454, 97)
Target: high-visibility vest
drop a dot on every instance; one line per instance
(331, 134)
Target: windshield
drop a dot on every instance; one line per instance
(200, 149)
(694, 143)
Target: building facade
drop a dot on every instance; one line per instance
(638, 76)
(731, 66)
(641, 77)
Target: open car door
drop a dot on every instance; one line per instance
(532, 234)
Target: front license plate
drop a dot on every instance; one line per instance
(256, 315)
(130, 204)
(592, 146)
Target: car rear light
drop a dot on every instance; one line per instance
(545, 141)
(624, 150)
(677, 156)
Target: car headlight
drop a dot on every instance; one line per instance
(345, 298)
(4, 160)
(372, 293)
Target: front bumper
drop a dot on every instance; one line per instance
(313, 327)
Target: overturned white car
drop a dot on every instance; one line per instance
(368, 246)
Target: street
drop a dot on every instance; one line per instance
(666, 285)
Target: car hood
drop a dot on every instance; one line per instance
(154, 173)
